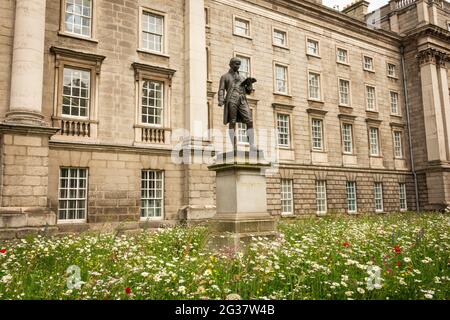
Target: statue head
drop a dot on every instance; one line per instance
(235, 64)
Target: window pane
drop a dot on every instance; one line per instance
(78, 17)
(152, 102)
(351, 196)
(374, 142)
(378, 191)
(245, 66)
(314, 86)
(281, 79)
(317, 134)
(76, 92)
(321, 196)
(283, 130)
(347, 137)
(152, 31)
(242, 27)
(152, 194)
(286, 196)
(72, 194)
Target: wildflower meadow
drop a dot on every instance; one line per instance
(396, 256)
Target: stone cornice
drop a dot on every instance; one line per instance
(63, 53)
(141, 67)
(428, 30)
(108, 147)
(342, 20)
(283, 106)
(319, 112)
(27, 129)
(76, 54)
(345, 116)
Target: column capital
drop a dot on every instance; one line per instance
(432, 55)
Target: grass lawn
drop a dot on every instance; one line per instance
(396, 256)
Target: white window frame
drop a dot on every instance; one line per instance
(241, 131)
(313, 137)
(165, 35)
(286, 38)
(288, 130)
(287, 196)
(372, 142)
(372, 69)
(397, 104)
(375, 108)
(344, 140)
(394, 75)
(321, 197)
(319, 89)
(308, 40)
(64, 32)
(287, 84)
(88, 98)
(398, 144)
(248, 21)
(403, 197)
(77, 190)
(346, 62)
(351, 197)
(241, 56)
(146, 72)
(378, 196)
(348, 104)
(142, 199)
(163, 103)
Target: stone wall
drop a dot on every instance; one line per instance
(114, 182)
(305, 190)
(25, 171)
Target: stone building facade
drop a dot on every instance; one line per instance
(94, 94)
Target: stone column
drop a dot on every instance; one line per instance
(435, 103)
(445, 100)
(432, 107)
(198, 196)
(195, 72)
(28, 63)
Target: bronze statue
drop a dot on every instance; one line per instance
(233, 92)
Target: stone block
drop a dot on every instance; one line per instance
(37, 151)
(13, 220)
(15, 150)
(27, 141)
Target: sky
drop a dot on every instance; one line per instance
(374, 4)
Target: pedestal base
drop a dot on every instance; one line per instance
(241, 195)
(236, 232)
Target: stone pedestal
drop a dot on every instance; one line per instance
(241, 201)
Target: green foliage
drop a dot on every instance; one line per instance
(326, 258)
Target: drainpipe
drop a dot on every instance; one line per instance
(413, 167)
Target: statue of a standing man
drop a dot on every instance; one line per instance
(233, 92)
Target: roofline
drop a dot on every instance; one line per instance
(343, 18)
